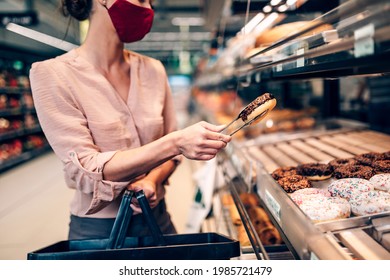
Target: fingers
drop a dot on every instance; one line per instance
(136, 209)
(202, 141)
(149, 190)
(213, 132)
(211, 127)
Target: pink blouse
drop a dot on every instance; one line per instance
(86, 122)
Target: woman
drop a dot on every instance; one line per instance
(108, 115)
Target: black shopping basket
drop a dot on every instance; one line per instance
(198, 246)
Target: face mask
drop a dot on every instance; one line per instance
(131, 22)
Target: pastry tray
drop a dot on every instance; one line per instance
(354, 237)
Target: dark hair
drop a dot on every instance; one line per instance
(79, 9)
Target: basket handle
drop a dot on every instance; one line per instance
(122, 221)
(147, 214)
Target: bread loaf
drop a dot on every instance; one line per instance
(280, 31)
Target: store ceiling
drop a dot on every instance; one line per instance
(179, 25)
(180, 29)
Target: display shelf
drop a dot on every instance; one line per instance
(235, 185)
(14, 90)
(358, 44)
(19, 133)
(328, 61)
(21, 137)
(24, 157)
(16, 111)
(337, 239)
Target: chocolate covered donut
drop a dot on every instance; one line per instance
(250, 108)
(315, 171)
(341, 162)
(381, 166)
(354, 171)
(369, 158)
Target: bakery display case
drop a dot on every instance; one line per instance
(350, 41)
(353, 237)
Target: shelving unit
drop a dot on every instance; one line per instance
(21, 137)
(357, 45)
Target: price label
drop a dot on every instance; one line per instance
(301, 61)
(364, 41)
(277, 57)
(273, 205)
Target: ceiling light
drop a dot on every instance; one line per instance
(188, 21)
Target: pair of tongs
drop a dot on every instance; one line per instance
(238, 123)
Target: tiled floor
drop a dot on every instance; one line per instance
(34, 204)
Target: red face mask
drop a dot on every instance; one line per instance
(131, 22)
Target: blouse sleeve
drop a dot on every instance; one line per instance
(66, 129)
(169, 115)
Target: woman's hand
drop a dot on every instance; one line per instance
(153, 193)
(202, 141)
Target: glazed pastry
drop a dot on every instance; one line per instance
(249, 199)
(315, 171)
(301, 195)
(264, 103)
(381, 166)
(322, 208)
(368, 203)
(348, 187)
(266, 231)
(381, 182)
(354, 171)
(368, 158)
(342, 162)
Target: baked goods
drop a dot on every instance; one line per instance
(283, 30)
(228, 202)
(287, 126)
(266, 231)
(371, 202)
(305, 123)
(354, 171)
(322, 208)
(252, 113)
(341, 162)
(381, 182)
(261, 105)
(235, 215)
(249, 199)
(381, 166)
(294, 182)
(348, 187)
(301, 195)
(369, 158)
(315, 171)
(242, 236)
(284, 171)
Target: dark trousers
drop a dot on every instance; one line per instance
(90, 228)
